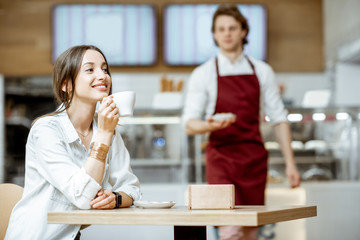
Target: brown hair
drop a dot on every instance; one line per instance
(233, 11)
(66, 69)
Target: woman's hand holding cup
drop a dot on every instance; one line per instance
(108, 115)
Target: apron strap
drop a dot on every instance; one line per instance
(251, 64)
(217, 67)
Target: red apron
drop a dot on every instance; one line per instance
(236, 154)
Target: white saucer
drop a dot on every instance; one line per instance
(222, 116)
(153, 204)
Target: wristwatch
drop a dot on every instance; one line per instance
(118, 199)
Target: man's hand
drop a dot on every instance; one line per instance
(293, 176)
(217, 125)
(197, 126)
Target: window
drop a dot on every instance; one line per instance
(125, 33)
(187, 32)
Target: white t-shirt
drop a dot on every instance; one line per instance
(201, 93)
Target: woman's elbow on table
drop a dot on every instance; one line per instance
(82, 202)
(83, 205)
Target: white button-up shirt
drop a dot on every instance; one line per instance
(201, 94)
(55, 179)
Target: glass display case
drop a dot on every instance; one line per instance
(325, 142)
(158, 145)
(155, 139)
(25, 100)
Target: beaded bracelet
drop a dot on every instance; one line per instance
(99, 151)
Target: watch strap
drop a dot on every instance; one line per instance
(118, 199)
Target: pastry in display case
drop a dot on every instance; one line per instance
(324, 144)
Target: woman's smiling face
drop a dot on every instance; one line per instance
(93, 82)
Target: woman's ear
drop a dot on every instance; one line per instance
(66, 87)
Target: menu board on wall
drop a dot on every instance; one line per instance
(126, 33)
(188, 38)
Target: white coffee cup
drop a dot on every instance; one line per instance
(125, 102)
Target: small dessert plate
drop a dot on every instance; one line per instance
(222, 116)
(154, 204)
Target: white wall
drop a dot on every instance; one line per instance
(297, 84)
(347, 84)
(337, 211)
(341, 26)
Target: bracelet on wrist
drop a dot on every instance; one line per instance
(99, 151)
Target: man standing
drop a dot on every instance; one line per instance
(235, 83)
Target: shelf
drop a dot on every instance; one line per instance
(25, 92)
(150, 120)
(298, 160)
(303, 160)
(146, 112)
(19, 121)
(155, 162)
(297, 153)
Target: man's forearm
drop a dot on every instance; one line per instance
(196, 126)
(283, 136)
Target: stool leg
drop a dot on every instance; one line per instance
(189, 232)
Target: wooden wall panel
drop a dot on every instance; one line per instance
(295, 36)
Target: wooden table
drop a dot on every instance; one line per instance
(188, 224)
